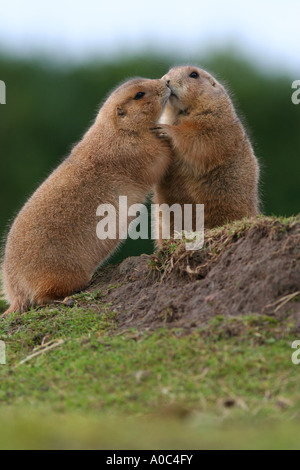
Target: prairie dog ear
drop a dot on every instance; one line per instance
(212, 81)
(120, 112)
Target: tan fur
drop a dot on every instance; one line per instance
(52, 248)
(213, 162)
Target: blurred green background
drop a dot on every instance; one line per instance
(50, 105)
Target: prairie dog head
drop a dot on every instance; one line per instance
(193, 90)
(137, 104)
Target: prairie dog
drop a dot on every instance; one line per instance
(52, 248)
(213, 162)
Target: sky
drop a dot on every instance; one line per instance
(268, 31)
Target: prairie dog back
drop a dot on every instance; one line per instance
(52, 248)
(213, 162)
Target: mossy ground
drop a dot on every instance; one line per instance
(228, 377)
(75, 379)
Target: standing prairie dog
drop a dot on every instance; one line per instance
(52, 248)
(213, 162)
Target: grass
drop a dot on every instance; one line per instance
(72, 380)
(74, 431)
(173, 255)
(142, 389)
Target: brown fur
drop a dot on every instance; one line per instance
(52, 248)
(213, 162)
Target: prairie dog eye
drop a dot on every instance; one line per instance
(194, 75)
(139, 95)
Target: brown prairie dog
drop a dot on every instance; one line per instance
(52, 248)
(213, 162)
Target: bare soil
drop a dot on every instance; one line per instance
(249, 267)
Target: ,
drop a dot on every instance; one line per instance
(296, 94)
(2, 353)
(107, 226)
(2, 92)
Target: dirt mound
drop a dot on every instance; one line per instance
(249, 267)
